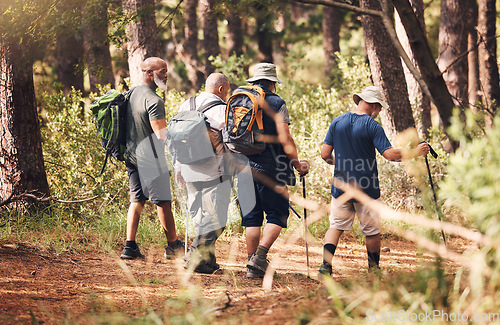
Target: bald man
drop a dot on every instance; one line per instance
(208, 187)
(148, 174)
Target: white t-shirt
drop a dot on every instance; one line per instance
(214, 168)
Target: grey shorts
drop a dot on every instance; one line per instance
(342, 217)
(148, 185)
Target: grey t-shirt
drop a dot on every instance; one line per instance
(144, 106)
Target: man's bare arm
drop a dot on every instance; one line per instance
(327, 154)
(160, 129)
(393, 154)
(290, 148)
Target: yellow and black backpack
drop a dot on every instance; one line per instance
(244, 126)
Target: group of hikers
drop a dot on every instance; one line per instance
(261, 178)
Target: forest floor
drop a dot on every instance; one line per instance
(38, 286)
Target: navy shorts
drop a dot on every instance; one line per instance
(147, 185)
(273, 204)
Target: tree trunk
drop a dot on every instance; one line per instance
(419, 101)
(99, 65)
(331, 38)
(234, 32)
(69, 59)
(21, 157)
(387, 72)
(195, 75)
(142, 35)
(210, 33)
(473, 59)
(453, 34)
(488, 67)
(423, 55)
(295, 11)
(264, 33)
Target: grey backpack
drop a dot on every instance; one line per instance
(188, 136)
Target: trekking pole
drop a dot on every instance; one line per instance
(187, 221)
(186, 231)
(438, 209)
(303, 180)
(296, 213)
(184, 188)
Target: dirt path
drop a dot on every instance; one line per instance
(75, 287)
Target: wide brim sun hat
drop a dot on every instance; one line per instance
(370, 95)
(265, 71)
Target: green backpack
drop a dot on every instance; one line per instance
(110, 112)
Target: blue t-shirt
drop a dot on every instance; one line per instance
(354, 138)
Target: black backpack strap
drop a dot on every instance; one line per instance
(209, 105)
(105, 162)
(155, 154)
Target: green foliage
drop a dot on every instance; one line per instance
(72, 151)
(473, 176)
(27, 20)
(233, 67)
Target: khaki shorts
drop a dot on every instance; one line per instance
(342, 217)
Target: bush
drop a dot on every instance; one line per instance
(472, 183)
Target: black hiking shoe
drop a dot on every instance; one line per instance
(129, 253)
(258, 264)
(206, 268)
(178, 251)
(325, 269)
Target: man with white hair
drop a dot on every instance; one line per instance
(145, 158)
(208, 184)
(354, 136)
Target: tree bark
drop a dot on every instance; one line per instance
(142, 35)
(234, 31)
(387, 73)
(423, 55)
(488, 66)
(21, 157)
(96, 43)
(210, 33)
(264, 33)
(295, 11)
(331, 38)
(195, 75)
(419, 101)
(473, 58)
(453, 33)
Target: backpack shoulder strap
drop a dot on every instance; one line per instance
(129, 93)
(206, 107)
(211, 104)
(192, 104)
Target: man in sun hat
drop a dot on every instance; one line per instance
(276, 164)
(354, 136)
